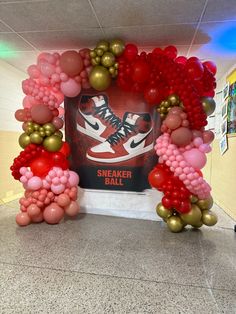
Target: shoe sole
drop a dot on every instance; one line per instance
(91, 134)
(122, 158)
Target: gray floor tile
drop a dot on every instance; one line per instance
(32, 290)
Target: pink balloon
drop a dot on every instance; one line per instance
(63, 200)
(61, 111)
(53, 213)
(33, 71)
(41, 114)
(198, 141)
(196, 133)
(72, 209)
(195, 158)
(33, 210)
(173, 121)
(20, 115)
(47, 69)
(58, 189)
(34, 183)
(43, 80)
(57, 122)
(208, 136)
(38, 218)
(23, 219)
(181, 137)
(73, 179)
(175, 110)
(70, 88)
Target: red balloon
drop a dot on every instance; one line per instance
(152, 95)
(211, 67)
(71, 63)
(184, 207)
(181, 60)
(195, 69)
(158, 51)
(65, 149)
(157, 177)
(59, 160)
(171, 52)
(40, 166)
(141, 71)
(166, 202)
(130, 52)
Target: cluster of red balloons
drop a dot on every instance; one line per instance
(176, 194)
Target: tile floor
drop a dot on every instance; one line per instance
(100, 264)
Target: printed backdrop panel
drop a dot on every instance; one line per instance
(112, 135)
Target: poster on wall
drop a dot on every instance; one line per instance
(231, 110)
(111, 135)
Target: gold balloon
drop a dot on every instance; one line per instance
(29, 123)
(112, 70)
(98, 59)
(162, 110)
(193, 217)
(205, 204)
(108, 59)
(174, 100)
(99, 51)
(42, 133)
(175, 224)
(93, 54)
(116, 65)
(162, 115)
(49, 127)
(94, 62)
(36, 138)
(52, 143)
(24, 140)
(193, 199)
(166, 104)
(209, 218)
(103, 44)
(36, 126)
(59, 133)
(29, 130)
(99, 78)
(48, 133)
(198, 225)
(209, 105)
(117, 47)
(163, 212)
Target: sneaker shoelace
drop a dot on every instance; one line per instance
(106, 113)
(124, 130)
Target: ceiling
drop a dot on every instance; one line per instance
(204, 28)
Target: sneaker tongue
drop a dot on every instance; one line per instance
(98, 101)
(131, 118)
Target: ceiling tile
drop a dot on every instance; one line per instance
(64, 39)
(220, 10)
(10, 42)
(153, 35)
(147, 12)
(21, 60)
(4, 28)
(50, 15)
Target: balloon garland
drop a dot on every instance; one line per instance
(181, 89)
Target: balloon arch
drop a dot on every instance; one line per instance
(181, 89)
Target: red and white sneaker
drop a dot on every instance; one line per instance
(134, 137)
(96, 119)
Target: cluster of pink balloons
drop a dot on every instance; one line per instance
(43, 204)
(185, 163)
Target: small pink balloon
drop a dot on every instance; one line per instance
(198, 141)
(195, 158)
(47, 69)
(20, 115)
(63, 200)
(58, 123)
(23, 219)
(175, 110)
(70, 88)
(38, 218)
(41, 114)
(43, 80)
(208, 136)
(73, 179)
(181, 137)
(35, 183)
(173, 121)
(53, 213)
(72, 209)
(33, 210)
(33, 71)
(58, 189)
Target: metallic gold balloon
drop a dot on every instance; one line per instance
(117, 47)
(175, 224)
(209, 105)
(36, 138)
(36, 126)
(97, 59)
(174, 100)
(162, 115)
(198, 225)
(99, 78)
(108, 59)
(29, 130)
(112, 70)
(42, 133)
(58, 133)
(193, 199)
(24, 140)
(103, 44)
(99, 52)
(193, 217)
(163, 212)
(94, 62)
(93, 54)
(52, 143)
(116, 65)
(29, 123)
(166, 104)
(205, 204)
(49, 127)
(209, 218)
